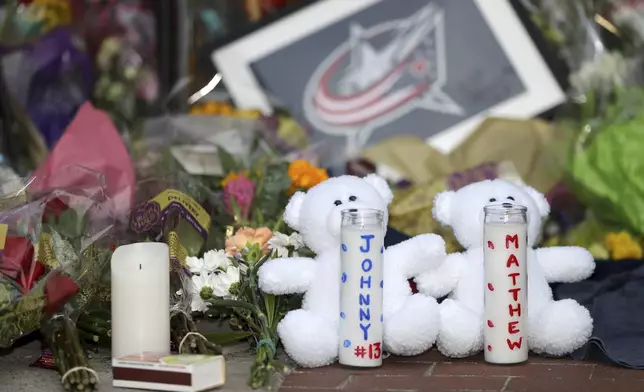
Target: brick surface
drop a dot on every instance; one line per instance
(306, 389)
(434, 384)
(617, 373)
(573, 385)
(315, 380)
(429, 356)
(435, 373)
(396, 369)
(569, 370)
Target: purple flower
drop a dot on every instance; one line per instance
(241, 190)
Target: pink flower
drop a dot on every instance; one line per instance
(241, 190)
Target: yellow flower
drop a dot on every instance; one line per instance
(304, 175)
(622, 246)
(197, 109)
(248, 236)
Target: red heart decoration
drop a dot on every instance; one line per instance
(489, 286)
(490, 245)
(489, 348)
(490, 324)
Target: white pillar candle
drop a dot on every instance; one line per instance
(140, 299)
(506, 284)
(361, 300)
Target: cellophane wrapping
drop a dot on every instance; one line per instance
(54, 273)
(602, 126)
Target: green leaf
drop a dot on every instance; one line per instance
(606, 175)
(269, 303)
(228, 162)
(258, 217)
(70, 225)
(276, 179)
(223, 338)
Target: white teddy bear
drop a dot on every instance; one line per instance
(554, 327)
(310, 334)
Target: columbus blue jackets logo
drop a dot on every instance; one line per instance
(380, 74)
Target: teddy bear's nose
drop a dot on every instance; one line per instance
(352, 210)
(507, 205)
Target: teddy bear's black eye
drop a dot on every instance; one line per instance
(492, 200)
(352, 198)
(337, 202)
(510, 198)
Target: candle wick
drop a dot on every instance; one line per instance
(140, 267)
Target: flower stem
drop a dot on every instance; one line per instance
(231, 303)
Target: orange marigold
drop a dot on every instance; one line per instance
(304, 175)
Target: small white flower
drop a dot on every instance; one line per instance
(199, 282)
(211, 261)
(218, 259)
(223, 280)
(279, 243)
(601, 74)
(297, 241)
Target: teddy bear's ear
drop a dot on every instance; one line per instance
(381, 186)
(443, 207)
(539, 199)
(293, 210)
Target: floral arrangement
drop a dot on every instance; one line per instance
(125, 87)
(601, 240)
(225, 283)
(52, 273)
(255, 195)
(216, 108)
(606, 145)
(601, 128)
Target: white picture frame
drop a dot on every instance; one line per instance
(542, 91)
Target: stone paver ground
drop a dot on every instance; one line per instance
(427, 372)
(17, 376)
(436, 373)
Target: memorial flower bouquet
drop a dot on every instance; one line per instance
(605, 132)
(226, 280)
(57, 244)
(601, 127)
(255, 195)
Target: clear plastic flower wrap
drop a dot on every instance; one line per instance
(191, 140)
(57, 247)
(571, 26)
(49, 78)
(602, 126)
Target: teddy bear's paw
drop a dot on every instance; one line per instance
(413, 328)
(560, 328)
(566, 264)
(287, 275)
(431, 249)
(309, 339)
(441, 281)
(461, 330)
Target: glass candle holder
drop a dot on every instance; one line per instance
(506, 277)
(361, 293)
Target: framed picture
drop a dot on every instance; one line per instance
(360, 71)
